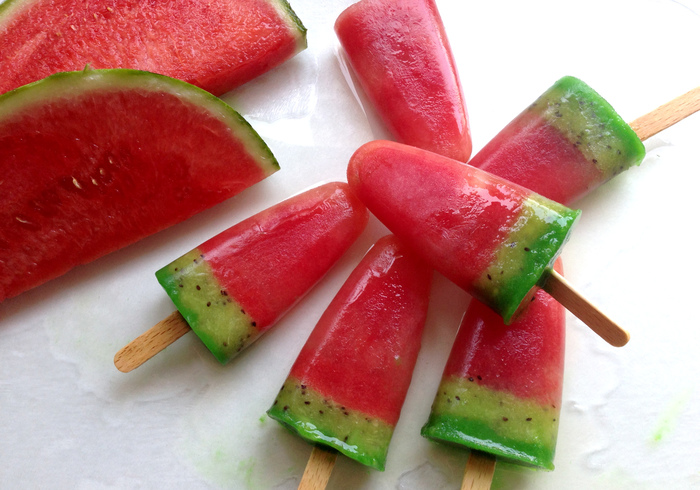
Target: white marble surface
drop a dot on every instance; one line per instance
(631, 416)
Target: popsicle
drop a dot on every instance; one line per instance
(235, 286)
(501, 389)
(494, 239)
(402, 59)
(571, 140)
(346, 388)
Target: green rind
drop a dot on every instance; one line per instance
(531, 247)
(295, 21)
(71, 84)
(519, 431)
(323, 422)
(591, 124)
(6, 8)
(217, 319)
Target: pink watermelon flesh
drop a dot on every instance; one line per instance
(544, 171)
(216, 45)
(93, 161)
(403, 61)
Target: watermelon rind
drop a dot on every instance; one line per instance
(6, 8)
(294, 21)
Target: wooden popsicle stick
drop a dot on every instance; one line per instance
(667, 115)
(645, 127)
(318, 469)
(564, 293)
(151, 342)
(478, 473)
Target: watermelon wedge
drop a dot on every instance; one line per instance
(216, 45)
(92, 161)
(400, 54)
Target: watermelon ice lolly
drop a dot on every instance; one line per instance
(346, 389)
(235, 286)
(564, 145)
(492, 238)
(502, 385)
(400, 54)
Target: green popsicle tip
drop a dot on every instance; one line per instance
(217, 319)
(520, 262)
(322, 421)
(515, 430)
(591, 124)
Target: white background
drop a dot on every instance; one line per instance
(631, 416)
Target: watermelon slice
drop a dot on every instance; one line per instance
(346, 389)
(92, 161)
(216, 45)
(400, 54)
(286, 249)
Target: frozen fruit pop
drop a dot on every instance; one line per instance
(401, 57)
(502, 385)
(346, 388)
(235, 286)
(571, 140)
(492, 238)
(565, 144)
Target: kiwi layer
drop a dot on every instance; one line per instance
(320, 420)
(591, 124)
(217, 319)
(532, 245)
(517, 430)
